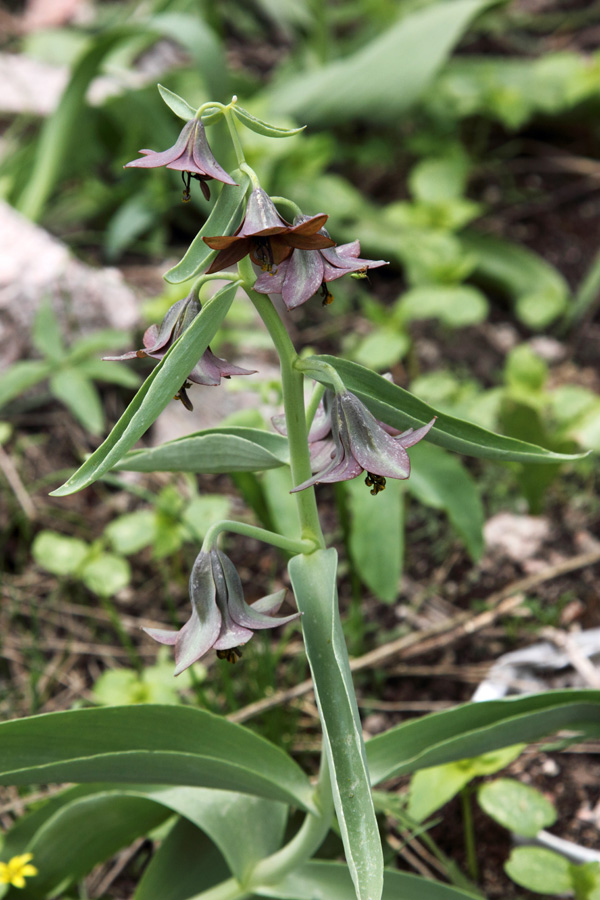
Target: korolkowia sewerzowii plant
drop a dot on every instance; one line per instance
(359, 423)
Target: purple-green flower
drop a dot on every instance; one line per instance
(221, 619)
(357, 443)
(267, 237)
(304, 272)
(158, 340)
(190, 155)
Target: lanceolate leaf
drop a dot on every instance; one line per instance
(477, 728)
(314, 583)
(230, 449)
(155, 393)
(150, 745)
(397, 407)
(176, 103)
(261, 127)
(224, 218)
(332, 880)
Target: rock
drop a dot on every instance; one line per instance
(34, 265)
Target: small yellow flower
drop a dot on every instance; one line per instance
(16, 870)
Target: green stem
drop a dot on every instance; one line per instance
(290, 545)
(293, 400)
(469, 829)
(321, 371)
(237, 144)
(285, 201)
(313, 404)
(305, 842)
(227, 890)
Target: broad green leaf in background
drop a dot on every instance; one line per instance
(202, 43)
(385, 77)
(516, 806)
(190, 854)
(46, 335)
(433, 787)
(149, 744)
(106, 574)
(538, 290)
(454, 305)
(314, 582)
(331, 880)
(377, 536)
(155, 393)
(228, 449)
(58, 553)
(203, 512)
(540, 870)
(476, 728)
(395, 406)
(80, 397)
(224, 218)
(60, 128)
(440, 480)
(21, 376)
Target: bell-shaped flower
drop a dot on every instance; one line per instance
(221, 619)
(304, 272)
(267, 237)
(190, 155)
(358, 442)
(158, 340)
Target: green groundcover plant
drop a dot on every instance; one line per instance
(216, 794)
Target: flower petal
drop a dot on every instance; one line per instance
(304, 277)
(204, 159)
(154, 159)
(371, 446)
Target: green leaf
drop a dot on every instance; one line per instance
(276, 485)
(455, 305)
(59, 554)
(431, 788)
(539, 870)
(190, 854)
(148, 744)
(441, 481)
(384, 78)
(264, 128)
(314, 582)
(111, 372)
(516, 806)
(382, 348)
(177, 104)
(214, 450)
(202, 512)
(84, 833)
(332, 880)
(21, 376)
(224, 218)
(156, 392)
(395, 406)
(377, 536)
(476, 728)
(539, 291)
(46, 335)
(80, 397)
(106, 574)
(131, 532)
(59, 130)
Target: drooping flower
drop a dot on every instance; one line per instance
(357, 443)
(158, 340)
(267, 237)
(304, 272)
(190, 155)
(221, 619)
(17, 869)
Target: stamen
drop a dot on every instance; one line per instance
(375, 482)
(263, 254)
(326, 295)
(232, 655)
(181, 395)
(186, 190)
